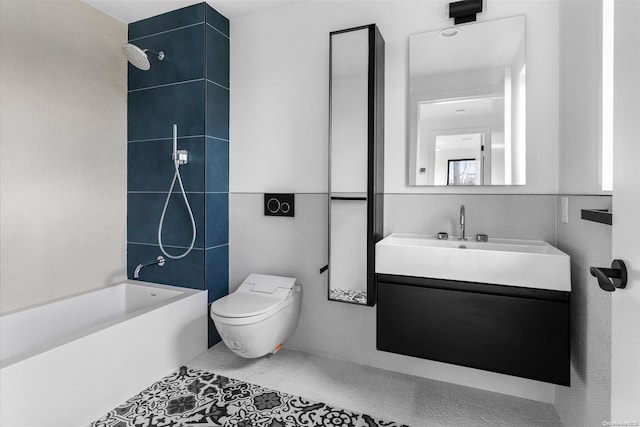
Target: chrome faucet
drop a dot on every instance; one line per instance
(462, 237)
(159, 261)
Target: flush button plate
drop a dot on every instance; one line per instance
(279, 204)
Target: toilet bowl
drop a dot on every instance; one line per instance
(256, 319)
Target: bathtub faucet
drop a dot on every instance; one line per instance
(159, 261)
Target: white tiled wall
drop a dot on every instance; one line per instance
(588, 401)
(512, 216)
(284, 246)
(63, 153)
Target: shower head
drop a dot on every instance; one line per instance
(138, 57)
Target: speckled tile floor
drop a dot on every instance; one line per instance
(383, 394)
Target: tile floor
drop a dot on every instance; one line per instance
(382, 394)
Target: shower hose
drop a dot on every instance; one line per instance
(176, 177)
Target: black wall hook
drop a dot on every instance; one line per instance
(612, 278)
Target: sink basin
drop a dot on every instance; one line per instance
(511, 262)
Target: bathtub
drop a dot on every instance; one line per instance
(68, 362)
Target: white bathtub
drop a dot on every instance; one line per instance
(68, 362)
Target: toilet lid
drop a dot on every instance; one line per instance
(244, 305)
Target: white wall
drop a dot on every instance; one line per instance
(580, 91)
(348, 241)
(625, 340)
(63, 151)
(279, 108)
(349, 141)
(278, 142)
(588, 401)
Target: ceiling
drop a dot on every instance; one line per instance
(460, 112)
(477, 46)
(134, 10)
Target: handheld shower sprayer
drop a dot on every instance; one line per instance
(179, 157)
(174, 152)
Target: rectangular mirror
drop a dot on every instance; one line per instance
(467, 105)
(356, 135)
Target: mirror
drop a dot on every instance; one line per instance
(467, 105)
(355, 162)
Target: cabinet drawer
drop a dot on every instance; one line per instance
(522, 336)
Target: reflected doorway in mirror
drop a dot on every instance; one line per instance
(474, 79)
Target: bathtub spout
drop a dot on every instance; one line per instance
(136, 272)
(159, 261)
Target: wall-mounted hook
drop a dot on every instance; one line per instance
(612, 278)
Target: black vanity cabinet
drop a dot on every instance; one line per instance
(516, 331)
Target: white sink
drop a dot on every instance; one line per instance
(511, 262)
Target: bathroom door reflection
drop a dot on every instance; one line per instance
(459, 157)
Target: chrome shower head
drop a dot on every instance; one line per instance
(138, 57)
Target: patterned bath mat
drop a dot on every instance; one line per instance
(191, 397)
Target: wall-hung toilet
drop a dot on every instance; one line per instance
(256, 318)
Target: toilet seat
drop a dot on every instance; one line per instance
(258, 297)
(240, 304)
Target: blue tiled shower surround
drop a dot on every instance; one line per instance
(190, 87)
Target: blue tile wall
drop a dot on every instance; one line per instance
(217, 271)
(187, 272)
(217, 57)
(217, 174)
(216, 20)
(217, 213)
(168, 21)
(183, 59)
(149, 166)
(217, 111)
(189, 88)
(152, 112)
(144, 211)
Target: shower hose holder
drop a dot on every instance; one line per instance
(182, 156)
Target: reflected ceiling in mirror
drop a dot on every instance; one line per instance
(467, 105)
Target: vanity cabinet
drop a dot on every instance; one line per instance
(511, 330)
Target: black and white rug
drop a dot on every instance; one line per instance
(191, 397)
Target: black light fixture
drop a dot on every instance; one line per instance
(464, 11)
